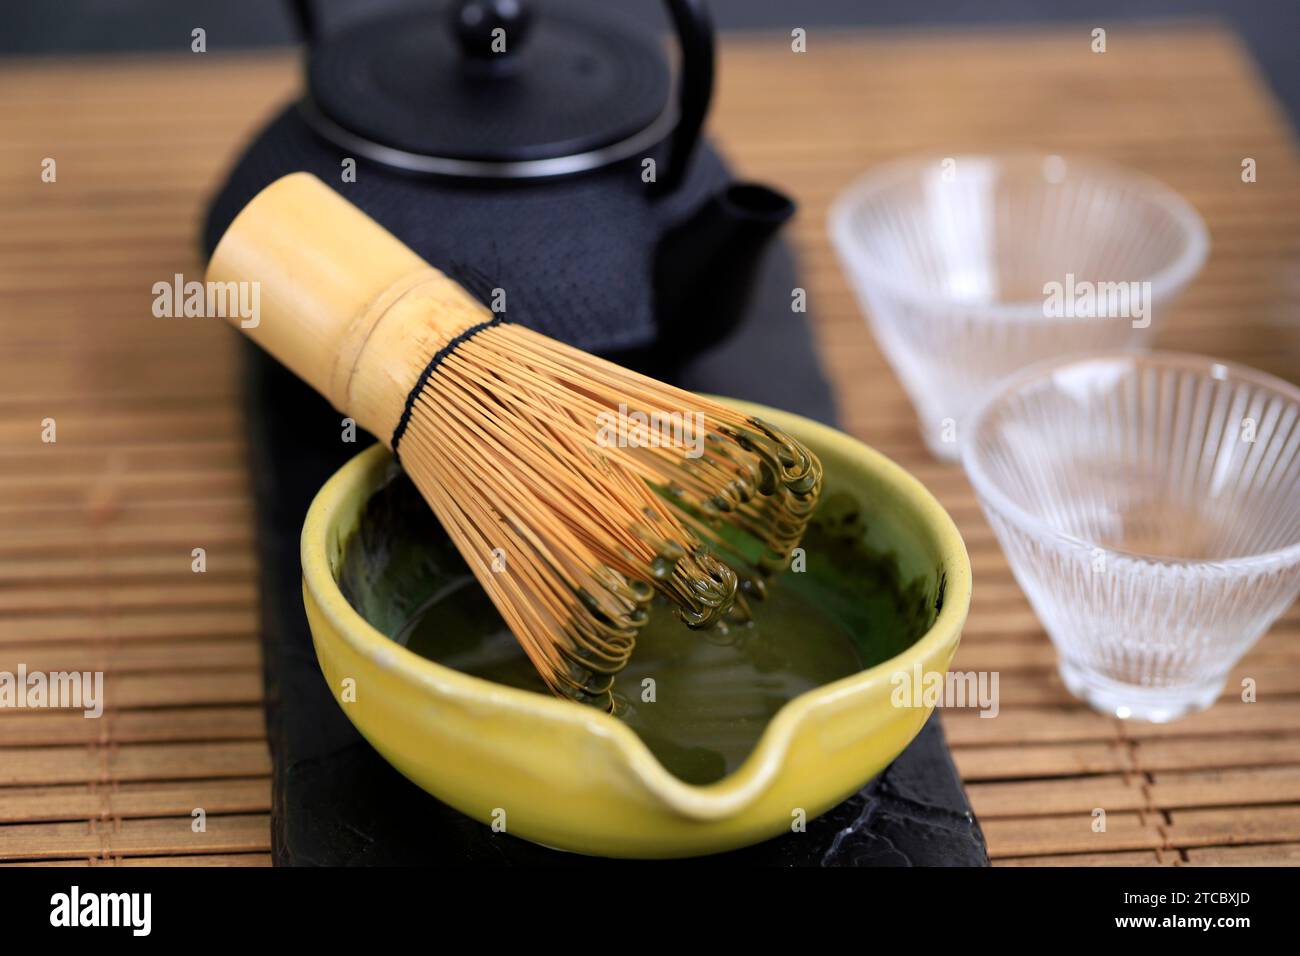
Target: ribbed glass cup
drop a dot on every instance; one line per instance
(1149, 506)
(972, 267)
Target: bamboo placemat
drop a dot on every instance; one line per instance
(1185, 105)
(97, 530)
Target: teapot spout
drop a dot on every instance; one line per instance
(705, 267)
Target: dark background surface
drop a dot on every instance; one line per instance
(1271, 28)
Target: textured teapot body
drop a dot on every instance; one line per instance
(594, 259)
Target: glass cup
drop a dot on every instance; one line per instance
(1149, 506)
(971, 267)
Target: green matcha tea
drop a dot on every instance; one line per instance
(699, 699)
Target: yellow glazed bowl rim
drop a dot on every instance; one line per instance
(713, 801)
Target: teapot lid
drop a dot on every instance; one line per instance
(490, 90)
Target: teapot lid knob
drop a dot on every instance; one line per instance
(486, 29)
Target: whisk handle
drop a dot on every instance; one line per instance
(341, 301)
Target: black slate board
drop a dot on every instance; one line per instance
(336, 802)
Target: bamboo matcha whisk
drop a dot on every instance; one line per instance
(507, 434)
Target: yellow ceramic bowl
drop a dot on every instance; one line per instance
(568, 776)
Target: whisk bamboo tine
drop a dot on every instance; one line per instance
(503, 431)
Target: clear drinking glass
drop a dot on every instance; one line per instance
(971, 267)
(1149, 506)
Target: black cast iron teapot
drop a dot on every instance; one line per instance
(533, 148)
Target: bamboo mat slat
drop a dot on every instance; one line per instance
(29, 805)
(210, 859)
(233, 833)
(96, 531)
(192, 722)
